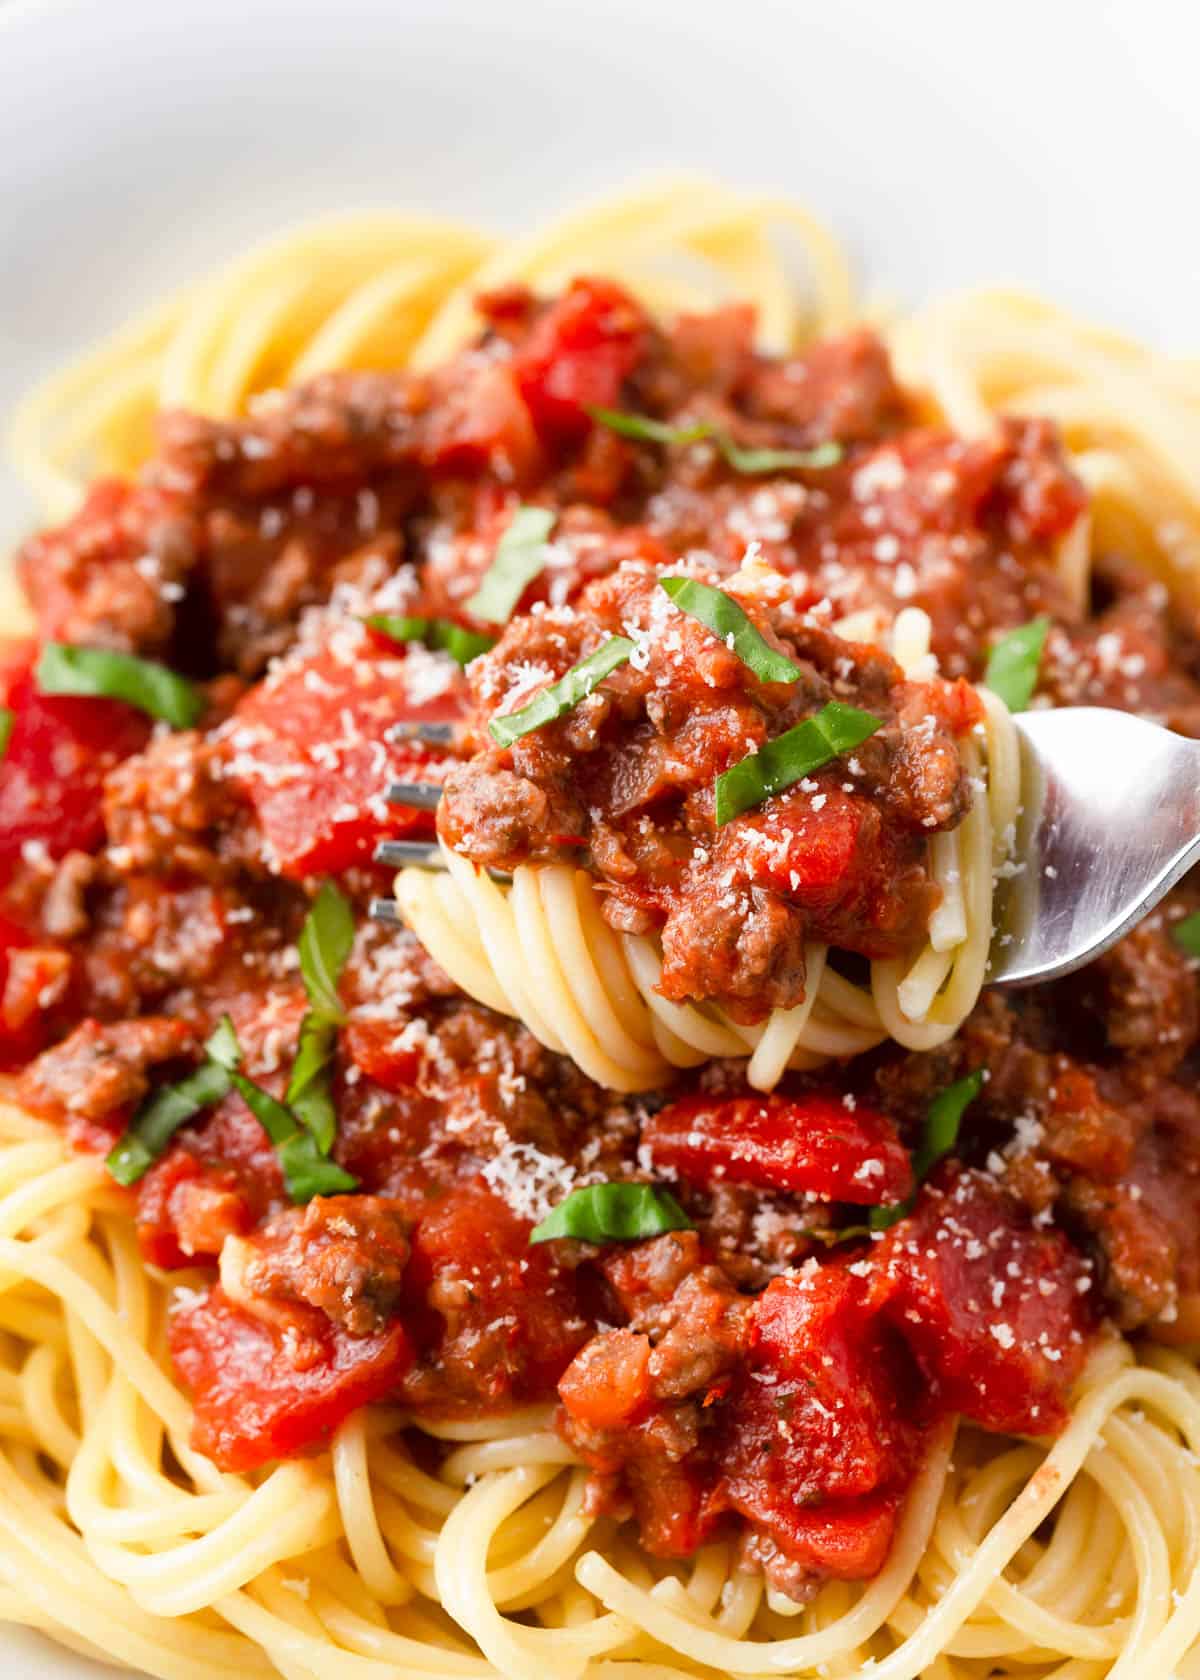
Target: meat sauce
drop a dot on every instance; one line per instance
(840, 858)
(768, 1373)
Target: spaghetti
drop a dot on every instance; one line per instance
(542, 951)
(468, 1546)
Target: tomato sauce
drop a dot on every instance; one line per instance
(773, 1371)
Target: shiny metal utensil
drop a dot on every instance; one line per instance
(1110, 821)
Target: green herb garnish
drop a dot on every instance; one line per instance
(325, 942)
(443, 634)
(834, 730)
(99, 673)
(748, 461)
(645, 430)
(1012, 667)
(520, 556)
(603, 1213)
(563, 695)
(307, 1172)
(1186, 934)
(160, 1116)
(751, 461)
(721, 614)
(7, 719)
(941, 1134)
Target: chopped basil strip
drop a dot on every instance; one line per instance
(752, 461)
(325, 942)
(749, 461)
(789, 757)
(99, 673)
(566, 693)
(306, 1171)
(442, 633)
(941, 1134)
(1012, 667)
(1186, 934)
(520, 555)
(646, 430)
(603, 1213)
(7, 718)
(160, 1116)
(721, 614)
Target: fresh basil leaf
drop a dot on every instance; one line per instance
(748, 461)
(461, 644)
(645, 430)
(308, 1094)
(776, 765)
(603, 1213)
(1012, 667)
(399, 627)
(7, 719)
(1186, 934)
(99, 673)
(223, 1046)
(566, 693)
(325, 942)
(308, 1173)
(942, 1124)
(943, 1121)
(721, 614)
(752, 461)
(161, 1115)
(520, 556)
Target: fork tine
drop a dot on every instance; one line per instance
(405, 854)
(386, 910)
(422, 796)
(432, 734)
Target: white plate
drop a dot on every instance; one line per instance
(1052, 143)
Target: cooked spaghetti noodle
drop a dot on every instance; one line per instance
(542, 951)
(470, 1547)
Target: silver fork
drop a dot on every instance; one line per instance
(1110, 821)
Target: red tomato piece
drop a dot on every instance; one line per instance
(607, 1384)
(59, 752)
(17, 1042)
(813, 1144)
(312, 754)
(186, 1208)
(371, 1046)
(252, 1404)
(514, 1323)
(484, 423)
(579, 355)
(821, 1435)
(995, 1311)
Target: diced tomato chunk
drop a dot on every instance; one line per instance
(372, 1047)
(812, 1144)
(186, 1209)
(821, 1435)
(579, 355)
(313, 755)
(499, 1320)
(995, 1311)
(485, 423)
(252, 1404)
(607, 1384)
(59, 752)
